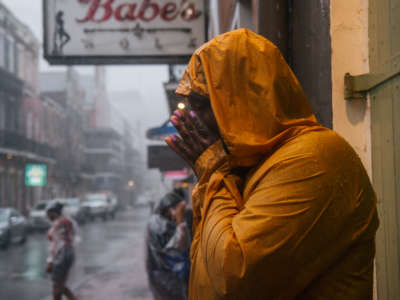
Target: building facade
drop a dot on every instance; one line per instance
(21, 113)
(63, 98)
(108, 136)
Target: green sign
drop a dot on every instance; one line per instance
(35, 175)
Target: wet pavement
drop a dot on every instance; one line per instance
(109, 264)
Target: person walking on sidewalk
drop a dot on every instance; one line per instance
(168, 243)
(61, 236)
(284, 208)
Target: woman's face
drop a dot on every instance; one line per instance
(202, 107)
(52, 215)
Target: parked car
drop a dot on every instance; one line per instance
(112, 205)
(143, 200)
(13, 227)
(97, 205)
(37, 216)
(73, 208)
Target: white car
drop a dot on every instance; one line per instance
(74, 209)
(37, 216)
(112, 205)
(97, 205)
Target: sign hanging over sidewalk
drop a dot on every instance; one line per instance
(122, 31)
(35, 175)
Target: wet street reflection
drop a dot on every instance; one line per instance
(109, 264)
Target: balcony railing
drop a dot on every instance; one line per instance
(14, 141)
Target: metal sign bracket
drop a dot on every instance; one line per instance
(357, 87)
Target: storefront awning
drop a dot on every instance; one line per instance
(160, 133)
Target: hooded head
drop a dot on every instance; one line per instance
(167, 202)
(54, 210)
(257, 101)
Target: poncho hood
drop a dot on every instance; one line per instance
(257, 100)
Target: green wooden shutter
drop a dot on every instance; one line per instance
(384, 33)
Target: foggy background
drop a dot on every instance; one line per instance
(135, 91)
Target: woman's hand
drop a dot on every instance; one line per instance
(195, 136)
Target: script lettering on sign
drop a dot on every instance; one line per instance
(147, 31)
(99, 11)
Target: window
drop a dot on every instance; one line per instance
(15, 214)
(2, 115)
(37, 130)
(21, 62)
(29, 125)
(34, 72)
(16, 59)
(20, 193)
(2, 188)
(9, 54)
(10, 187)
(6, 51)
(27, 65)
(11, 114)
(2, 47)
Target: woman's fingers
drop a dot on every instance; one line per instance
(187, 131)
(197, 129)
(180, 126)
(195, 136)
(205, 134)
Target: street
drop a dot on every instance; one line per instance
(109, 264)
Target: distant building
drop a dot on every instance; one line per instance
(96, 102)
(105, 136)
(21, 112)
(67, 94)
(104, 151)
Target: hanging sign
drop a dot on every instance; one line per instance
(163, 158)
(35, 175)
(122, 31)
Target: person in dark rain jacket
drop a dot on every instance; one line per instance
(168, 244)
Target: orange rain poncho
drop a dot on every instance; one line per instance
(301, 222)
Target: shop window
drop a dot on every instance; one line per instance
(20, 193)
(10, 190)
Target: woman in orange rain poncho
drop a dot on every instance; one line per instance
(283, 208)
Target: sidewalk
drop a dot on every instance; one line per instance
(123, 279)
(120, 282)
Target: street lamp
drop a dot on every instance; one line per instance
(131, 184)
